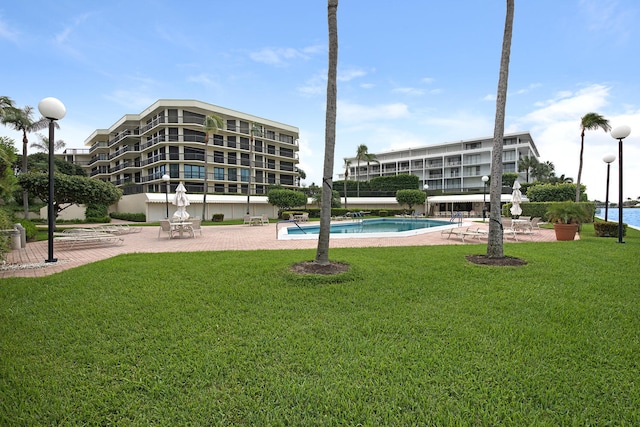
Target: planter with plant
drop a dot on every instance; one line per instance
(566, 218)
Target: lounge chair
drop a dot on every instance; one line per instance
(535, 223)
(247, 219)
(264, 220)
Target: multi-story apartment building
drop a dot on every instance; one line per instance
(248, 154)
(451, 166)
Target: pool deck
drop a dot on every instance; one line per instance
(29, 261)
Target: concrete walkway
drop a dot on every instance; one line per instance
(29, 262)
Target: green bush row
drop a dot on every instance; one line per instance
(135, 217)
(539, 209)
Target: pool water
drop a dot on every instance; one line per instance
(380, 227)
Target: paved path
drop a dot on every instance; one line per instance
(28, 262)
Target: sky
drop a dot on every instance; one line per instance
(410, 72)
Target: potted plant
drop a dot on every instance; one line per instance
(566, 218)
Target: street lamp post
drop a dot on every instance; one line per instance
(620, 133)
(607, 159)
(485, 178)
(426, 200)
(166, 179)
(52, 109)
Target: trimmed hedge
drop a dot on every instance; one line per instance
(608, 229)
(135, 217)
(539, 209)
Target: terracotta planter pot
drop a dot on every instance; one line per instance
(565, 231)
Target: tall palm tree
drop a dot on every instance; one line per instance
(347, 164)
(322, 252)
(494, 244)
(6, 105)
(21, 120)
(212, 124)
(362, 153)
(43, 145)
(370, 157)
(590, 121)
(527, 163)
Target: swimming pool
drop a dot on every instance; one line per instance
(378, 227)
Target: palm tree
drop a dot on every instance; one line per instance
(22, 120)
(494, 243)
(347, 163)
(527, 163)
(43, 145)
(370, 157)
(322, 252)
(590, 121)
(211, 125)
(6, 105)
(362, 153)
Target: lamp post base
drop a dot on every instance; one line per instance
(51, 260)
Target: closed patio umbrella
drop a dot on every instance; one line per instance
(516, 198)
(181, 201)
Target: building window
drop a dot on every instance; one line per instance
(218, 174)
(286, 152)
(271, 178)
(231, 158)
(286, 138)
(244, 143)
(193, 154)
(218, 188)
(193, 171)
(244, 127)
(244, 159)
(218, 140)
(244, 175)
(218, 157)
(270, 134)
(233, 174)
(271, 149)
(233, 188)
(231, 141)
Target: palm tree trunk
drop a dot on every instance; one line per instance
(580, 166)
(206, 180)
(25, 165)
(322, 253)
(494, 244)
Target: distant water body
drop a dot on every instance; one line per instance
(630, 216)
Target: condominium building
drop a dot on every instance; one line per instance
(246, 155)
(451, 166)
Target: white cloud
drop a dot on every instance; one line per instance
(358, 113)
(408, 91)
(280, 56)
(7, 33)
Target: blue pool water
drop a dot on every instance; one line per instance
(630, 216)
(391, 227)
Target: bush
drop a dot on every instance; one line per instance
(5, 239)
(539, 209)
(608, 229)
(96, 211)
(217, 217)
(135, 217)
(30, 229)
(555, 192)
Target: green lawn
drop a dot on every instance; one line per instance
(410, 336)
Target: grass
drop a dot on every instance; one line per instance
(409, 336)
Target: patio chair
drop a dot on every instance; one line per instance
(535, 223)
(247, 219)
(165, 227)
(196, 225)
(264, 220)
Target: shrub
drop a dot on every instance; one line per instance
(30, 229)
(5, 239)
(608, 229)
(217, 217)
(135, 217)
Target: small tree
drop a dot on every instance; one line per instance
(286, 199)
(70, 189)
(410, 197)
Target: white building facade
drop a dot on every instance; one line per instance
(452, 167)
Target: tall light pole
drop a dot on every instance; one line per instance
(607, 159)
(426, 200)
(620, 133)
(166, 179)
(52, 109)
(484, 196)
